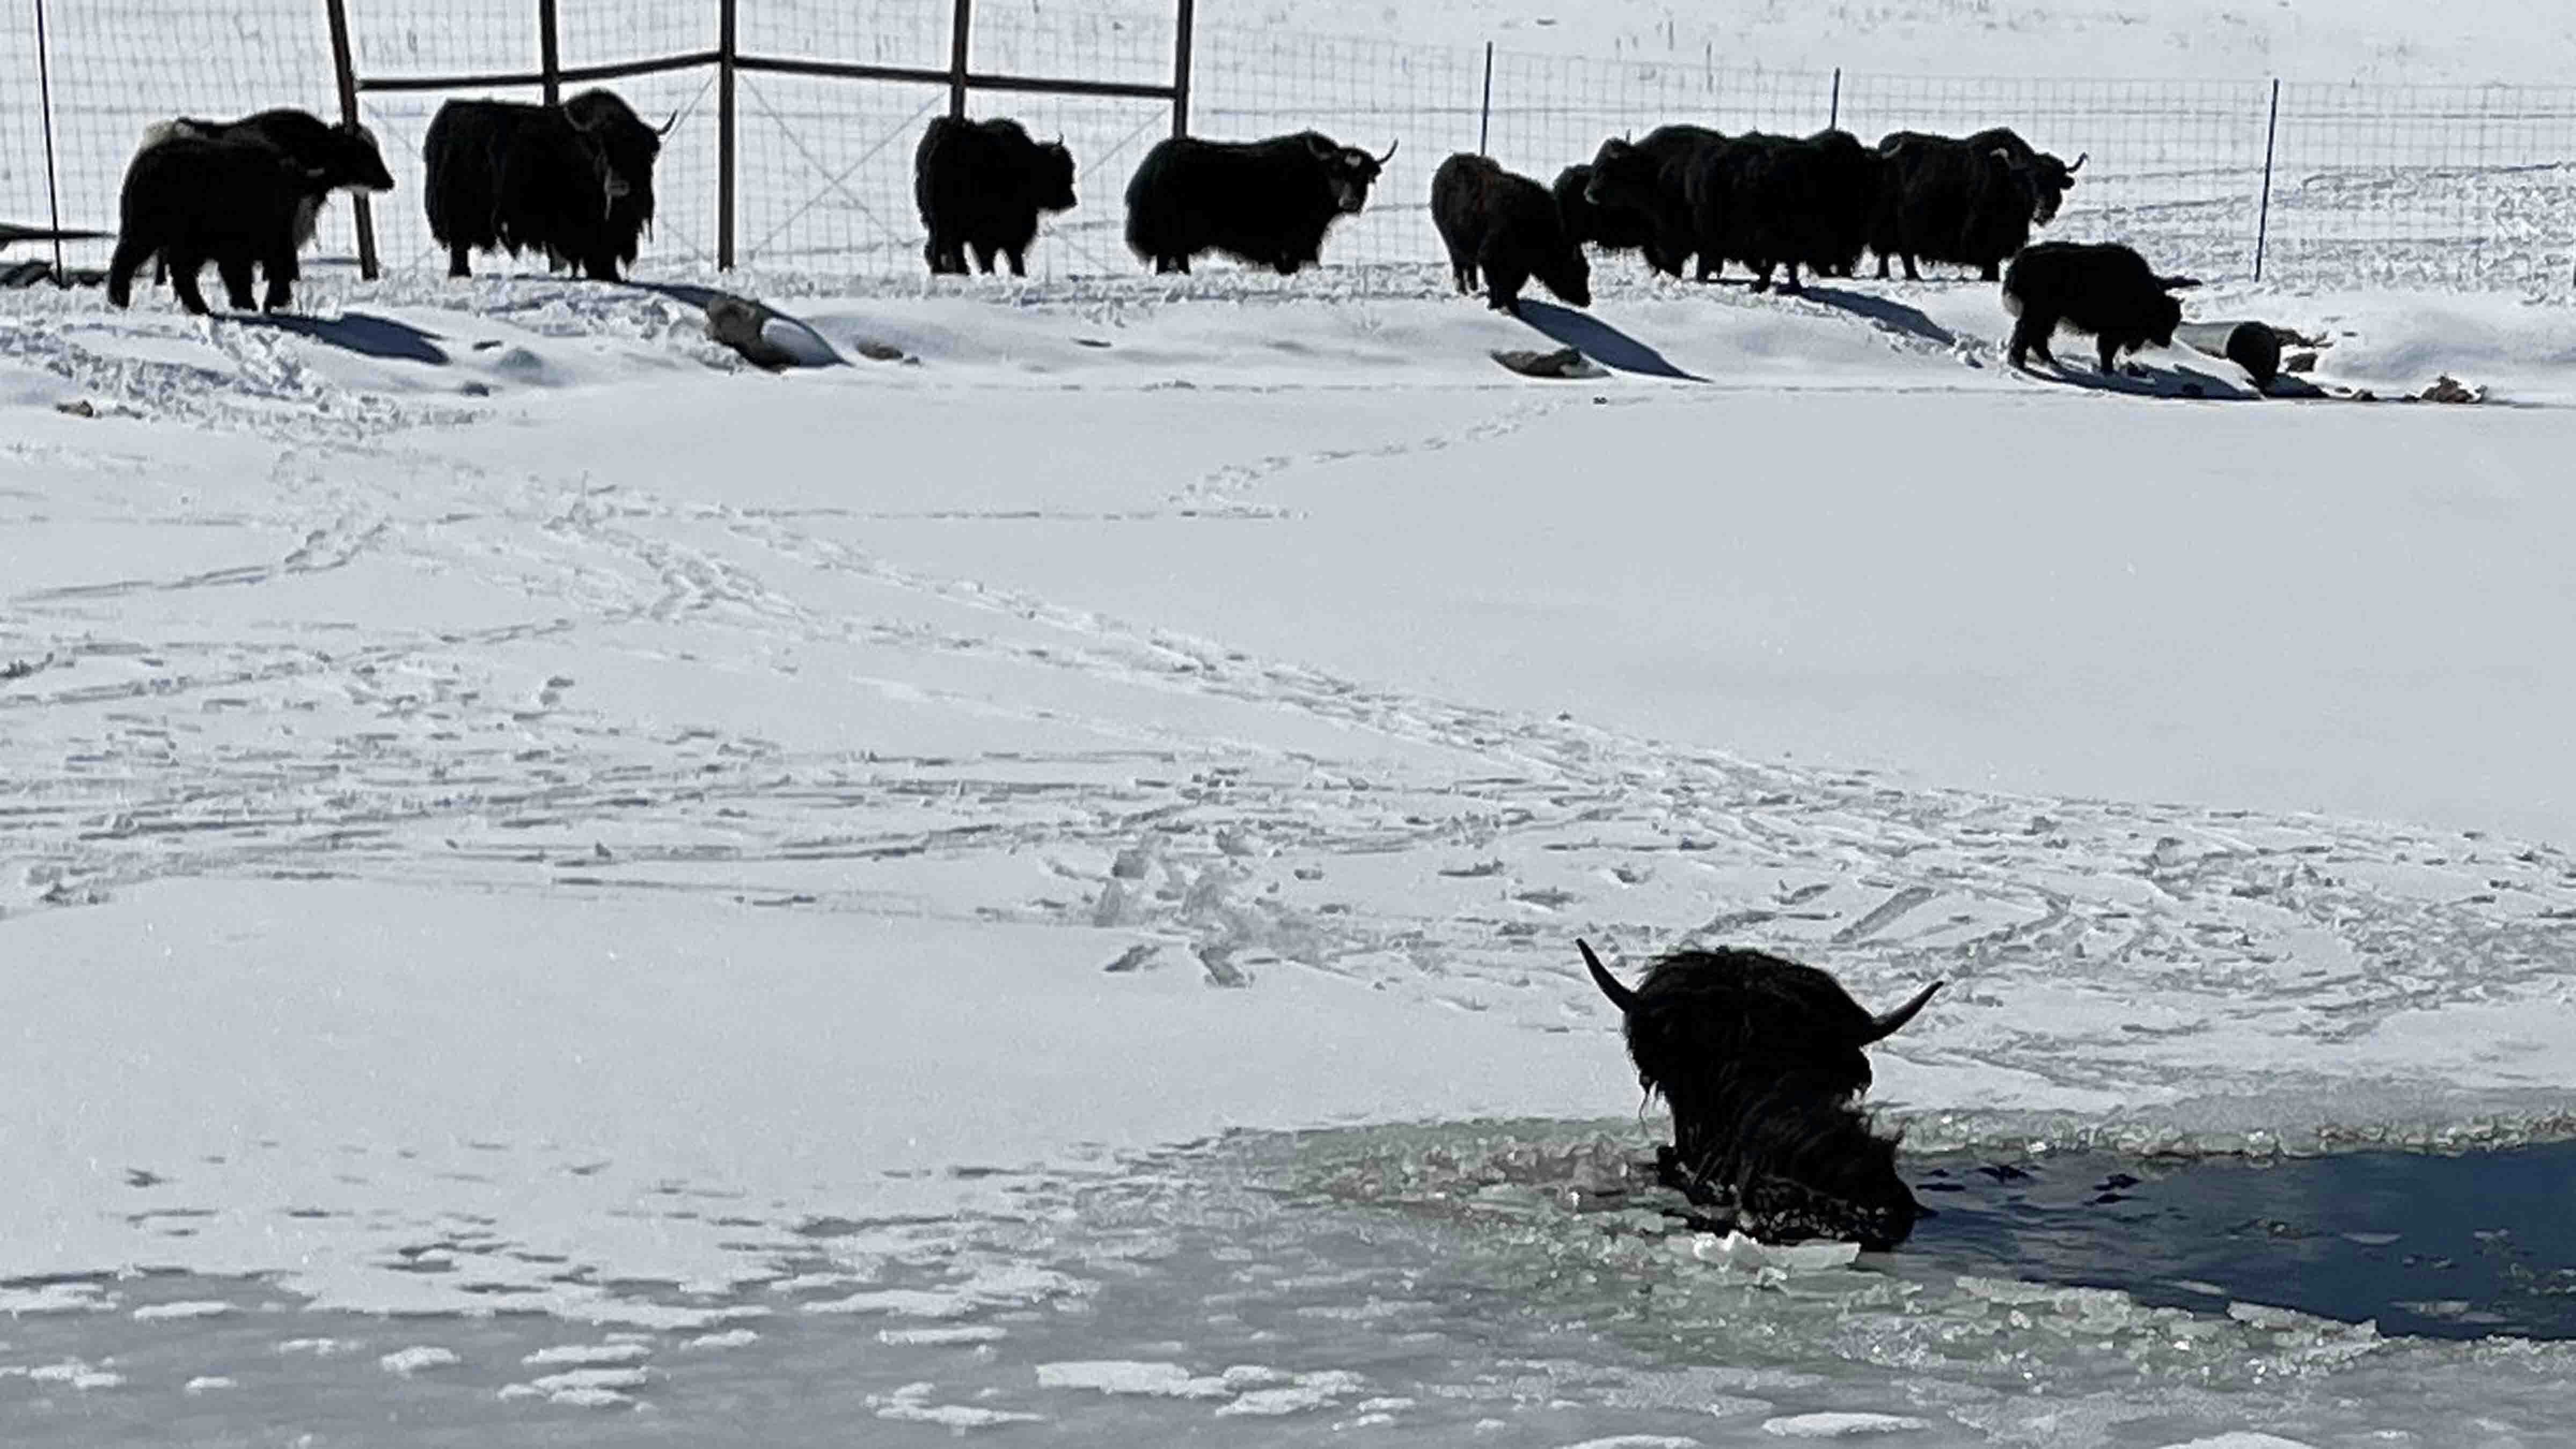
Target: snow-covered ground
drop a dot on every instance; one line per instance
(509, 807)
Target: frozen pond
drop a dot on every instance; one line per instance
(1505, 1285)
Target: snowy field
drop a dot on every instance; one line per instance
(557, 889)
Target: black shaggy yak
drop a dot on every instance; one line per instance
(234, 200)
(981, 186)
(1761, 1061)
(1267, 203)
(2098, 287)
(1505, 229)
(1611, 228)
(1969, 202)
(345, 152)
(1769, 201)
(573, 183)
(1650, 179)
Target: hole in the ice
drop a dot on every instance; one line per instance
(2438, 1246)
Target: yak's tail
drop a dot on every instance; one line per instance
(1895, 1021)
(1620, 996)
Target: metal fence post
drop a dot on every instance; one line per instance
(725, 55)
(360, 206)
(549, 57)
(1834, 108)
(1485, 113)
(957, 59)
(2263, 211)
(1184, 23)
(45, 99)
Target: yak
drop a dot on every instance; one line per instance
(1761, 1061)
(346, 150)
(2102, 288)
(199, 192)
(1767, 201)
(981, 186)
(1267, 203)
(1611, 228)
(1650, 179)
(573, 182)
(1970, 202)
(1503, 229)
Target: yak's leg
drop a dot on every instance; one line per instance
(1991, 271)
(234, 268)
(1911, 275)
(1793, 284)
(456, 266)
(131, 252)
(983, 257)
(2110, 353)
(1018, 257)
(282, 276)
(183, 280)
(2031, 334)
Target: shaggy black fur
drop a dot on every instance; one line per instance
(192, 201)
(2102, 288)
(1761, 1060)
(1504, 229)
(981, 186)
(1610, 228)
(1970, 200)
(1767, 201)
(573, 183)
(346, 153)
(1651, 179)
(1267, 203)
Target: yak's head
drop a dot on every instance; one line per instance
(1353, 171)
(2165, 313)
(2050, 179)
(1623, 175)
(1567, 272)
(354, 163)
(628, 147)
(1051, 178)
(1811, 1169)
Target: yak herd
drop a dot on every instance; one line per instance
(573, 183)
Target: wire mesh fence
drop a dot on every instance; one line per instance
(2370, 185)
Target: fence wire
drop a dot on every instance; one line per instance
(2372, 185)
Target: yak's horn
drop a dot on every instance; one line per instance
(1620, 996)
(2079, 162)
(1390, 151)
(1894, 1021)
(666, 127)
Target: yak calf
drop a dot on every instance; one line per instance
(1761, 1060)
(1506, 229)
(2102, 288)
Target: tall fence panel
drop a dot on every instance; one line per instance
(2410, 186)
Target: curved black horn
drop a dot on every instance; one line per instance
(1620, 996)
(2079, 162)
(1890, 1024)
(1390, 151)
(665, 128)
